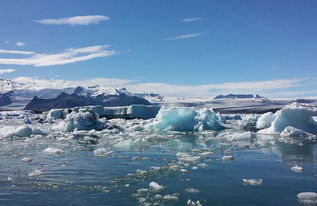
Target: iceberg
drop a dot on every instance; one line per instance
(186, 119)
(21, 131)
(309, 198)
(84, 119)
(265, 120)
(295, 115)
(252, 182)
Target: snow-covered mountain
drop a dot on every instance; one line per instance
(17, 95)
(239, 96)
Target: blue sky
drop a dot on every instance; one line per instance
(165, 45)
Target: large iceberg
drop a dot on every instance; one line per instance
(265, 120)
(295, 115)
(186, 119)
(84, 119)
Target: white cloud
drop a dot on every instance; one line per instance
(187, 20)
(5, 71)
(4, 51)
(20, 43)
(209, 90)
(185, 36)
(75, 20)
(66, 57)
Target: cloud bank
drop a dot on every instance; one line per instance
(75, 20)
(188, 20)
(65, 57)
(5, 71)
(279, 86)
(185, 36)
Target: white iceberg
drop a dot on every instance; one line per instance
(84, 119)
(297, 169)
(21, 131)
(295, 115)
(155, 186)
(294, 132)
(265, 120)
(252, 182)
(186, 119)
(52, 151)
(309, 198)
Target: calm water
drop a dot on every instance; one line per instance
(78, 177)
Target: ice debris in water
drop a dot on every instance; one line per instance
(252, 182)
(27, 120)
(294, 132)
(101, 152)
(186, 119)
(84, 119)
(309, 198)
(185, 157)
(295, 115)
(192, 203)
(169, 197)
(26, 159)
(296, 168)
(227, 158)
(265, 120)
(52, 151)
(55, 114)
(155, 186)
(22, 131)
(35, 173)
(192, 190)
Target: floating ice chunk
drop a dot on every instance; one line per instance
(186, 119)
(35, 173)
(192, 203)
(84, 119)
(252, 182)
(185, 157)
(129, 144)
(309, 198)
(235, 136)
(26, 159)
(52, 151)
(297, 169)
(265, 120)
(294, 132)
(155, 186)
(192, 190)
(169, 197)
(295, 115)
(142, 111)
(227, 158)
(27, 120)
(102, 152)
(55, 114)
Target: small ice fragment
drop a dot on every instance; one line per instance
(155, 186)
(102, 152)
(35, 173)
(9, 178)
(206, 153)
(192, 190)
(309, 198)
(53, 150)
(183, 170)
(252, 182)
(170, 197)
(296, 168)
(227, 158)
(192, 203)
(26, 159)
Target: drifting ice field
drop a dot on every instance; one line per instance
(184, 156)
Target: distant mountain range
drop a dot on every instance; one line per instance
(239, 96)
(17, 96)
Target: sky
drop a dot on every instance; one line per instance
(172, 47)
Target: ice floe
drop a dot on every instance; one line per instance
(307, 198)
(155, 186)
(186, 119)
(52, 151)
(296, 115)
(297, 169)
(252, 182)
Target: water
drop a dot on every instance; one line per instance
(78, 177)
